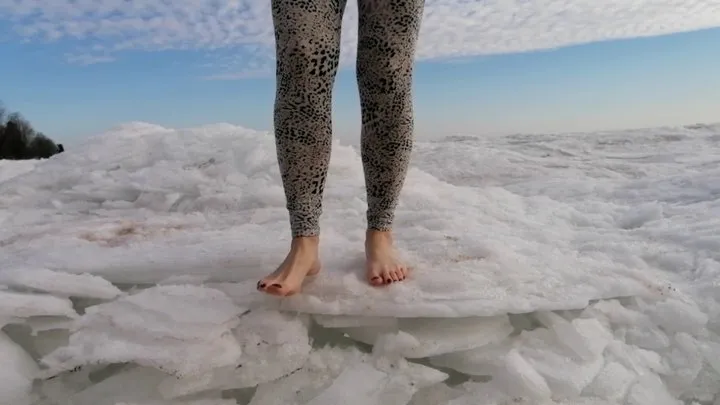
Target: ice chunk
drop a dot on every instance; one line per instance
(651, 337)
(19, 371)
(435, 394)
(182, 330)
(566, 374)
(390, 381)
(493, 392)
(181, 311)
(46, 323)
(46, 342)
(612, 383)
(704, 388)
(510, 371)
(685, 360)
(425, 337)
(524, 378)
(639, 361)
(547, 354)
(340, 321)
(57, 389)
(60, 284)
(617, 314)
(711, 351)
(357, 384)
(134, 384)
(569, 336)
(23, 305)
(649, 389)
(482, 361)
(177, 357)
(273, 345)
(676, 316)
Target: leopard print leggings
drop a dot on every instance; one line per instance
(307, 40)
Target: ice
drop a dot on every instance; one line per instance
(183, 330)
(272, 344)
(540, 362)
(23, 305)
(612, 383)
(332, 376)
(60, 284)
(19, 371)
(425, 337)
(548, 269)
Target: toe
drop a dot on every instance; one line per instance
(394, 276)
(374, 277)
(263, 284)
(376, 280)
(275, 289)
(279, 290)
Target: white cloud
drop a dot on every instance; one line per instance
(451, 28)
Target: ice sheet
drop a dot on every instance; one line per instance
(195, 199)
(18, 373)
(60, 283)
(425, 337)
(334, 376)
(23, 305)
(184, 330)
(131, 261)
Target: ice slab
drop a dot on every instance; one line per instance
(425, 337)
(25, 305)
(59, 283)
(560, 360)
(205, 204)
(345, 376)
(272, 345)
(180, 329)
(134, 384)
(448, 290)
(18, 373)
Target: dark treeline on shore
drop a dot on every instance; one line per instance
(19, 141)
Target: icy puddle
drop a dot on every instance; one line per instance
(546, 270)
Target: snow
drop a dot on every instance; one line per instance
(547, 269)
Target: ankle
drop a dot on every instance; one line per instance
(305, 242)
(375, 234)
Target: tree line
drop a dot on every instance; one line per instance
(19, 141)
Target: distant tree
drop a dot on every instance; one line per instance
(18, 139)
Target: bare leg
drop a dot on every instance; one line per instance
(388, 32)
(307, 40)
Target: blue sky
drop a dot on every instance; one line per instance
(73, 84)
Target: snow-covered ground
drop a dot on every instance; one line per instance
(548, 269)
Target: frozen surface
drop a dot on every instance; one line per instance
(547, 269)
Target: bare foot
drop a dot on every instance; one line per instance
(302, 261)
(382, 266)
